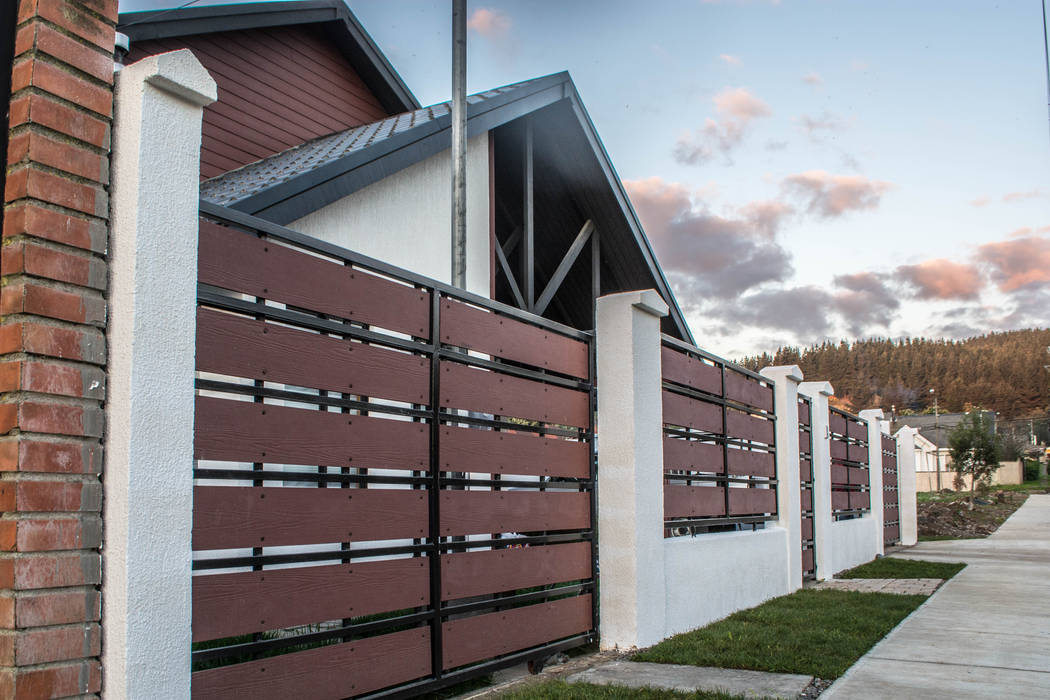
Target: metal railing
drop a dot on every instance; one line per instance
(850, 480)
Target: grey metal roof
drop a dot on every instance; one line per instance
(232, 187)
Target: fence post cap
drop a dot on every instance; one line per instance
(871, 413)
(813, 389)
(778, 372)
(176, 72)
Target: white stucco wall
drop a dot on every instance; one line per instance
(405, 219)
(710, 576)
(853, 542)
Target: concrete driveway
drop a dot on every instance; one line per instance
(984, 634)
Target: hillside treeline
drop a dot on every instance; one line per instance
(1000, 371)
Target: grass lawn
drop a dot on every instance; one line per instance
(889, 567)
(815, 632)
(560, 690)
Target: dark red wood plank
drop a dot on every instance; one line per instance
(751, 463)
(748, 391)
(840, 500)
(889, 444)
(807, 560)
(467, 574)
(837, 422)
(244, 347)
(243, 431)
(857, 453)
(891, 533)
(325, 673)
(225, 517)
(494, 634)
(232, 259)
(858, 476)
(838, 449)
(807, 528)
(687, 412)
(859, 500)
(839, 474)
(745, 426)
(752, 501)
(491, 452)
(682, 501)
(475, 512)
(681, 368)
(803, 412)
(502, 336)
(805, 442)
(858, 430)
(692, 455)
(492, 392)
(225, 605)
(806, 499)
(805, 470)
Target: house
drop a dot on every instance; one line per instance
(314, 130)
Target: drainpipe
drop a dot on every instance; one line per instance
(459, 143)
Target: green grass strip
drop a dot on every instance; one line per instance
(891, 567)
(560, 690)
(814, 632)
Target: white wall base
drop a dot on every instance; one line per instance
(710, 576)
(853, 542)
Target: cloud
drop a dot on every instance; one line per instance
(830, 196)
(489, 23)
(813, 78)
(729, 59)
(1021, 196)
(980, 202)
(1025, 231)
(776, 145)
(941, 279)
(736, 109)
(803, 310)
(707, 255)
(1017, 264)
(815, 127)
(864, 300)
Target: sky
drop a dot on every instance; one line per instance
(806, 170)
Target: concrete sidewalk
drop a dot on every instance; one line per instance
(984, 634)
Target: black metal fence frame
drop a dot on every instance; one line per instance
(851, 513)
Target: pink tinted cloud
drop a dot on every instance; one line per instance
(736, 109)
(729, 59)
(942, 279)
(1021, 196)
(1016, 264)
(980, 202)
(489, 23)
(832, 196)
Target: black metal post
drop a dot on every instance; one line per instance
(436, 651)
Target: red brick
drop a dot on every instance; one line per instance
(60, 570)
(49, 456)
(38, 300)
(87, 345)
(54, 534)
(96, 63)
(32, 220)
(7, 649)
(41, 646)
(7, 613)
(59, 265)
(62, 83)
(29, 181)
(38, 148)
(24, 39)
(38, 109)
(10, 376)
(8, 535)
(63, 380)
(77, 21)
(42, 416)
(56, 496)
(7, 573)
(77, 678)
(56, 608)
(8, 422)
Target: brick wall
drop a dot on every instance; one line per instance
(52, 348)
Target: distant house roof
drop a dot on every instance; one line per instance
(289, 185)
(936, 428)
(333, 16)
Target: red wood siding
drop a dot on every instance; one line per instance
(278, 87)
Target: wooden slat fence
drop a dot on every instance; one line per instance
(806, 484)
(394, 479)
(890, 496)
(719, 452)
(850, 491)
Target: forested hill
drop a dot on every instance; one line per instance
(1001, 371)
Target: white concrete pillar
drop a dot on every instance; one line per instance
(874, 418)
(818, 393)
(906, 477)
(630, 469)
(789, 496)
(149, 408)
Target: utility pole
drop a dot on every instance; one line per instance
(459, 143)
(937, 433)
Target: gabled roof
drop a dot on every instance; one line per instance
(332, 15)
(289, 185)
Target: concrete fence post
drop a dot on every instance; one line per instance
(630, 469)
(906, 477)
(152, 328)
(818, 393)
(789, 495)
(874, 418)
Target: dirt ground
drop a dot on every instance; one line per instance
(947, 514)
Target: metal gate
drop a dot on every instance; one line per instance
(806, 482)
(394, 479)
(891, 530)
